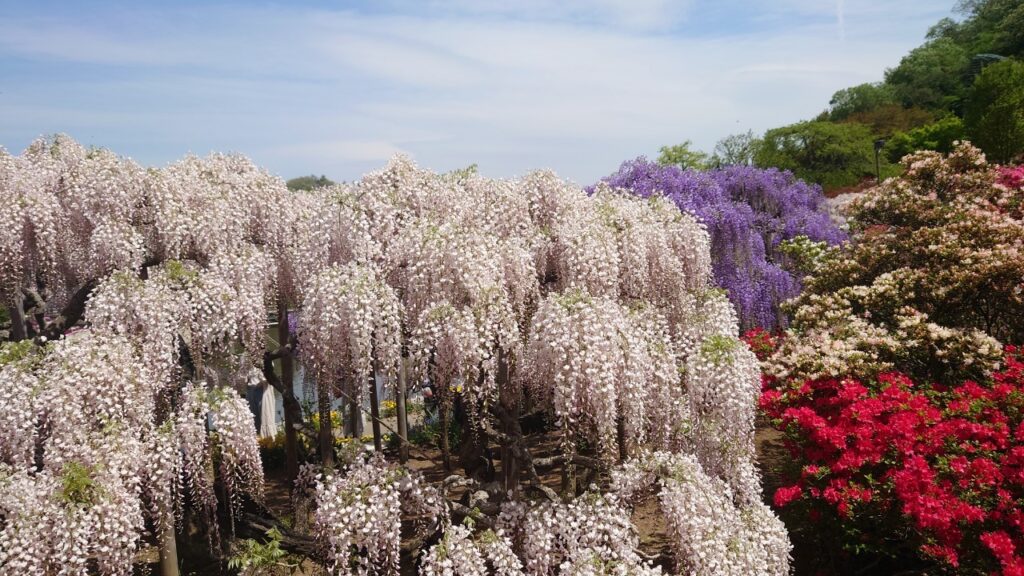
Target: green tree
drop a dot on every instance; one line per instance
(994, 114)
(991, 26)
(931, 76)
(683, 156)
(938, 136)
(309, 182)
(736, 150)
(833, 155)
(860, 98)
(888, 119)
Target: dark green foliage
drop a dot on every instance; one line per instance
(889, 119)
(991, 26)
(428, 434)
(77, 485)
(933, 97)
(310, 182)
(832, 155)
(860, 98)
(994, 114)
(931, 76)
(935, 136)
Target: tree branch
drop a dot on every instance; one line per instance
(575, 460)
(71, 313)
(291, 540)
(291, 403)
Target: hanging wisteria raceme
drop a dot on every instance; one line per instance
(461, 552)
(72, 215)
(359, 514)
(712, 529)
(565, 538)
(208, 308)
(578, 361)
(723, 385)
(240, 468)
(587, 359)
(509, 295)
(751, 214)
(297, 241)
(98, 466)
(351, 318)
(201, 207)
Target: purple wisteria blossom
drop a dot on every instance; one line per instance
(748, 212)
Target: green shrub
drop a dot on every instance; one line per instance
(938, 136)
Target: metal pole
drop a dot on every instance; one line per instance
(879, 144)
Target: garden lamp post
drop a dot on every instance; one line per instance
(879, 144)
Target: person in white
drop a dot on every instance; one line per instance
(268, 412)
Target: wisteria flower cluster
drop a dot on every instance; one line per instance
(713, 529)
(463, 553)
(593, 530)
(749, 213)
(359, 514)
(130, 291)
(84, 463)
(881, 456)
(505, 294)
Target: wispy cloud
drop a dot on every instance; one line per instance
(841, 18)
(573, 85)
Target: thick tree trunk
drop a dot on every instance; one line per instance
(292, 408)
(17, 314)
(168, 552)
(509, 426)
(569, 478)
(620, 426)
(326, 434)
(287, 384)
(446, 456)
(375, 410)
(403, 419)
(354, 422)
(72, 312)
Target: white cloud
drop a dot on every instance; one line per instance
(511, 86)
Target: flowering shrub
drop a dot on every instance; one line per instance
(932, 282)
(879, 457)
(761, 342)
(1012, 176)
(749, 213)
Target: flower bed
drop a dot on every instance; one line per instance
(891, 460)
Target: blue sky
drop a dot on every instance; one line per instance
(336, 88)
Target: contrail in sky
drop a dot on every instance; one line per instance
(840, 20)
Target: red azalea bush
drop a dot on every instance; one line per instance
(1011, 176)
(761, 342)
(940, 468)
